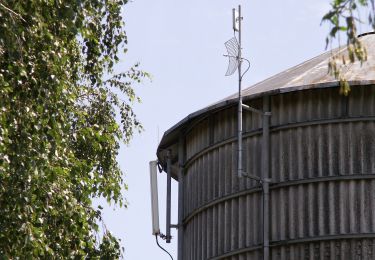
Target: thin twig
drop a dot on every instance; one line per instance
(12, 12)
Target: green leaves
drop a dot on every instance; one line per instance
(345, 12)
(59, 137)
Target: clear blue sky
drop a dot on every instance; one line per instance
(181, 44)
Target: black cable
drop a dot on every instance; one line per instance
(157, 242)
(243, 74)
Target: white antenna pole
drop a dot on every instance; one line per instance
(154, 198)
(239, 137)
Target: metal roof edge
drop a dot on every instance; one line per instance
(164, 143)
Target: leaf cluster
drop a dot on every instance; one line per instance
(59, 137)
(344, 16)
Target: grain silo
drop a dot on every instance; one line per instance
(321, 165)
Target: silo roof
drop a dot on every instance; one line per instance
(314, 73)
(310, 74)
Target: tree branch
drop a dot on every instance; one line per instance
(12, 12)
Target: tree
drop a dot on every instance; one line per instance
(58, 132)
(344, 16)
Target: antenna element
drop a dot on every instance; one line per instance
(154, 198)
(233, 51)
(236, 20)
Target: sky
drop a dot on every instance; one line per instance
(181, 44)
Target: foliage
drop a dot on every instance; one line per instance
(58, 132)
(344, 16)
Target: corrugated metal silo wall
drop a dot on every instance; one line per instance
(323, 180)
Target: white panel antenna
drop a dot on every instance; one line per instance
(154, 198)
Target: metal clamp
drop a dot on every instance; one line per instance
(250, 176)
(260, 112)
(165, 237)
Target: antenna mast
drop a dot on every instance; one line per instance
(238, 19)
(234, 50)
